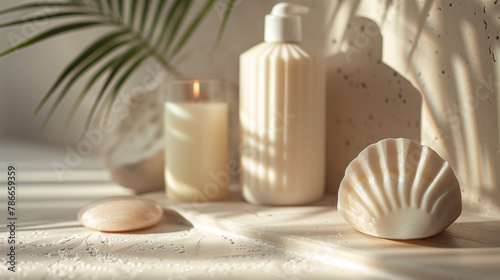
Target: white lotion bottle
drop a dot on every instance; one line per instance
(282, 114)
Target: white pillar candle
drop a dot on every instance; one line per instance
(196, 144)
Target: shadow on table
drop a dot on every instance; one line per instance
(482, 234)
(170, 222)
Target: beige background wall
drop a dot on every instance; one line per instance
(383, 56)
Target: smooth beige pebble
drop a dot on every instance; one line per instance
(120, 213)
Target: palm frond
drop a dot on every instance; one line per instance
(121, 8)
(192, 27)
(133, 9)
(39, 5)
(121, 81)
(119, 61)
(80, 59)
(142, 29)
(52, 32)
(91, 81)
(175, 18)
(154, 24)
(145, 10)
(222, 27)
(42, 17)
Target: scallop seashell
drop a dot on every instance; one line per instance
(120, 213)
(399, 189)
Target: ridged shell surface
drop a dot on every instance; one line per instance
(121, 213)
(399, 189)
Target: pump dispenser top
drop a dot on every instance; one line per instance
(283, 24)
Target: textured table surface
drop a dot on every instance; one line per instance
(219, 240)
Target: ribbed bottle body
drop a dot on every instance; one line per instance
(282, 122)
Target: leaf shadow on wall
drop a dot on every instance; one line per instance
(460, 83)
(367, 100)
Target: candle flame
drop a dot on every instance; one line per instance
(196, 89)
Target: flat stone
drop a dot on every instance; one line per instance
(120, 213)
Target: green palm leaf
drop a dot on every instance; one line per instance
(145, 10)
(52, 32)
(142, 28)
(192, 27)
(118, 85)
(229, 7)
(159, 10)
(83, 93)
(88, 86)
(39, 5)
(120, 7)
(132, 14)
(85, 55)
(119, 61)
(176, 15)
(42, 17)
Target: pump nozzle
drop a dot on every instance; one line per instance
(283, 24)
(289, 9)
